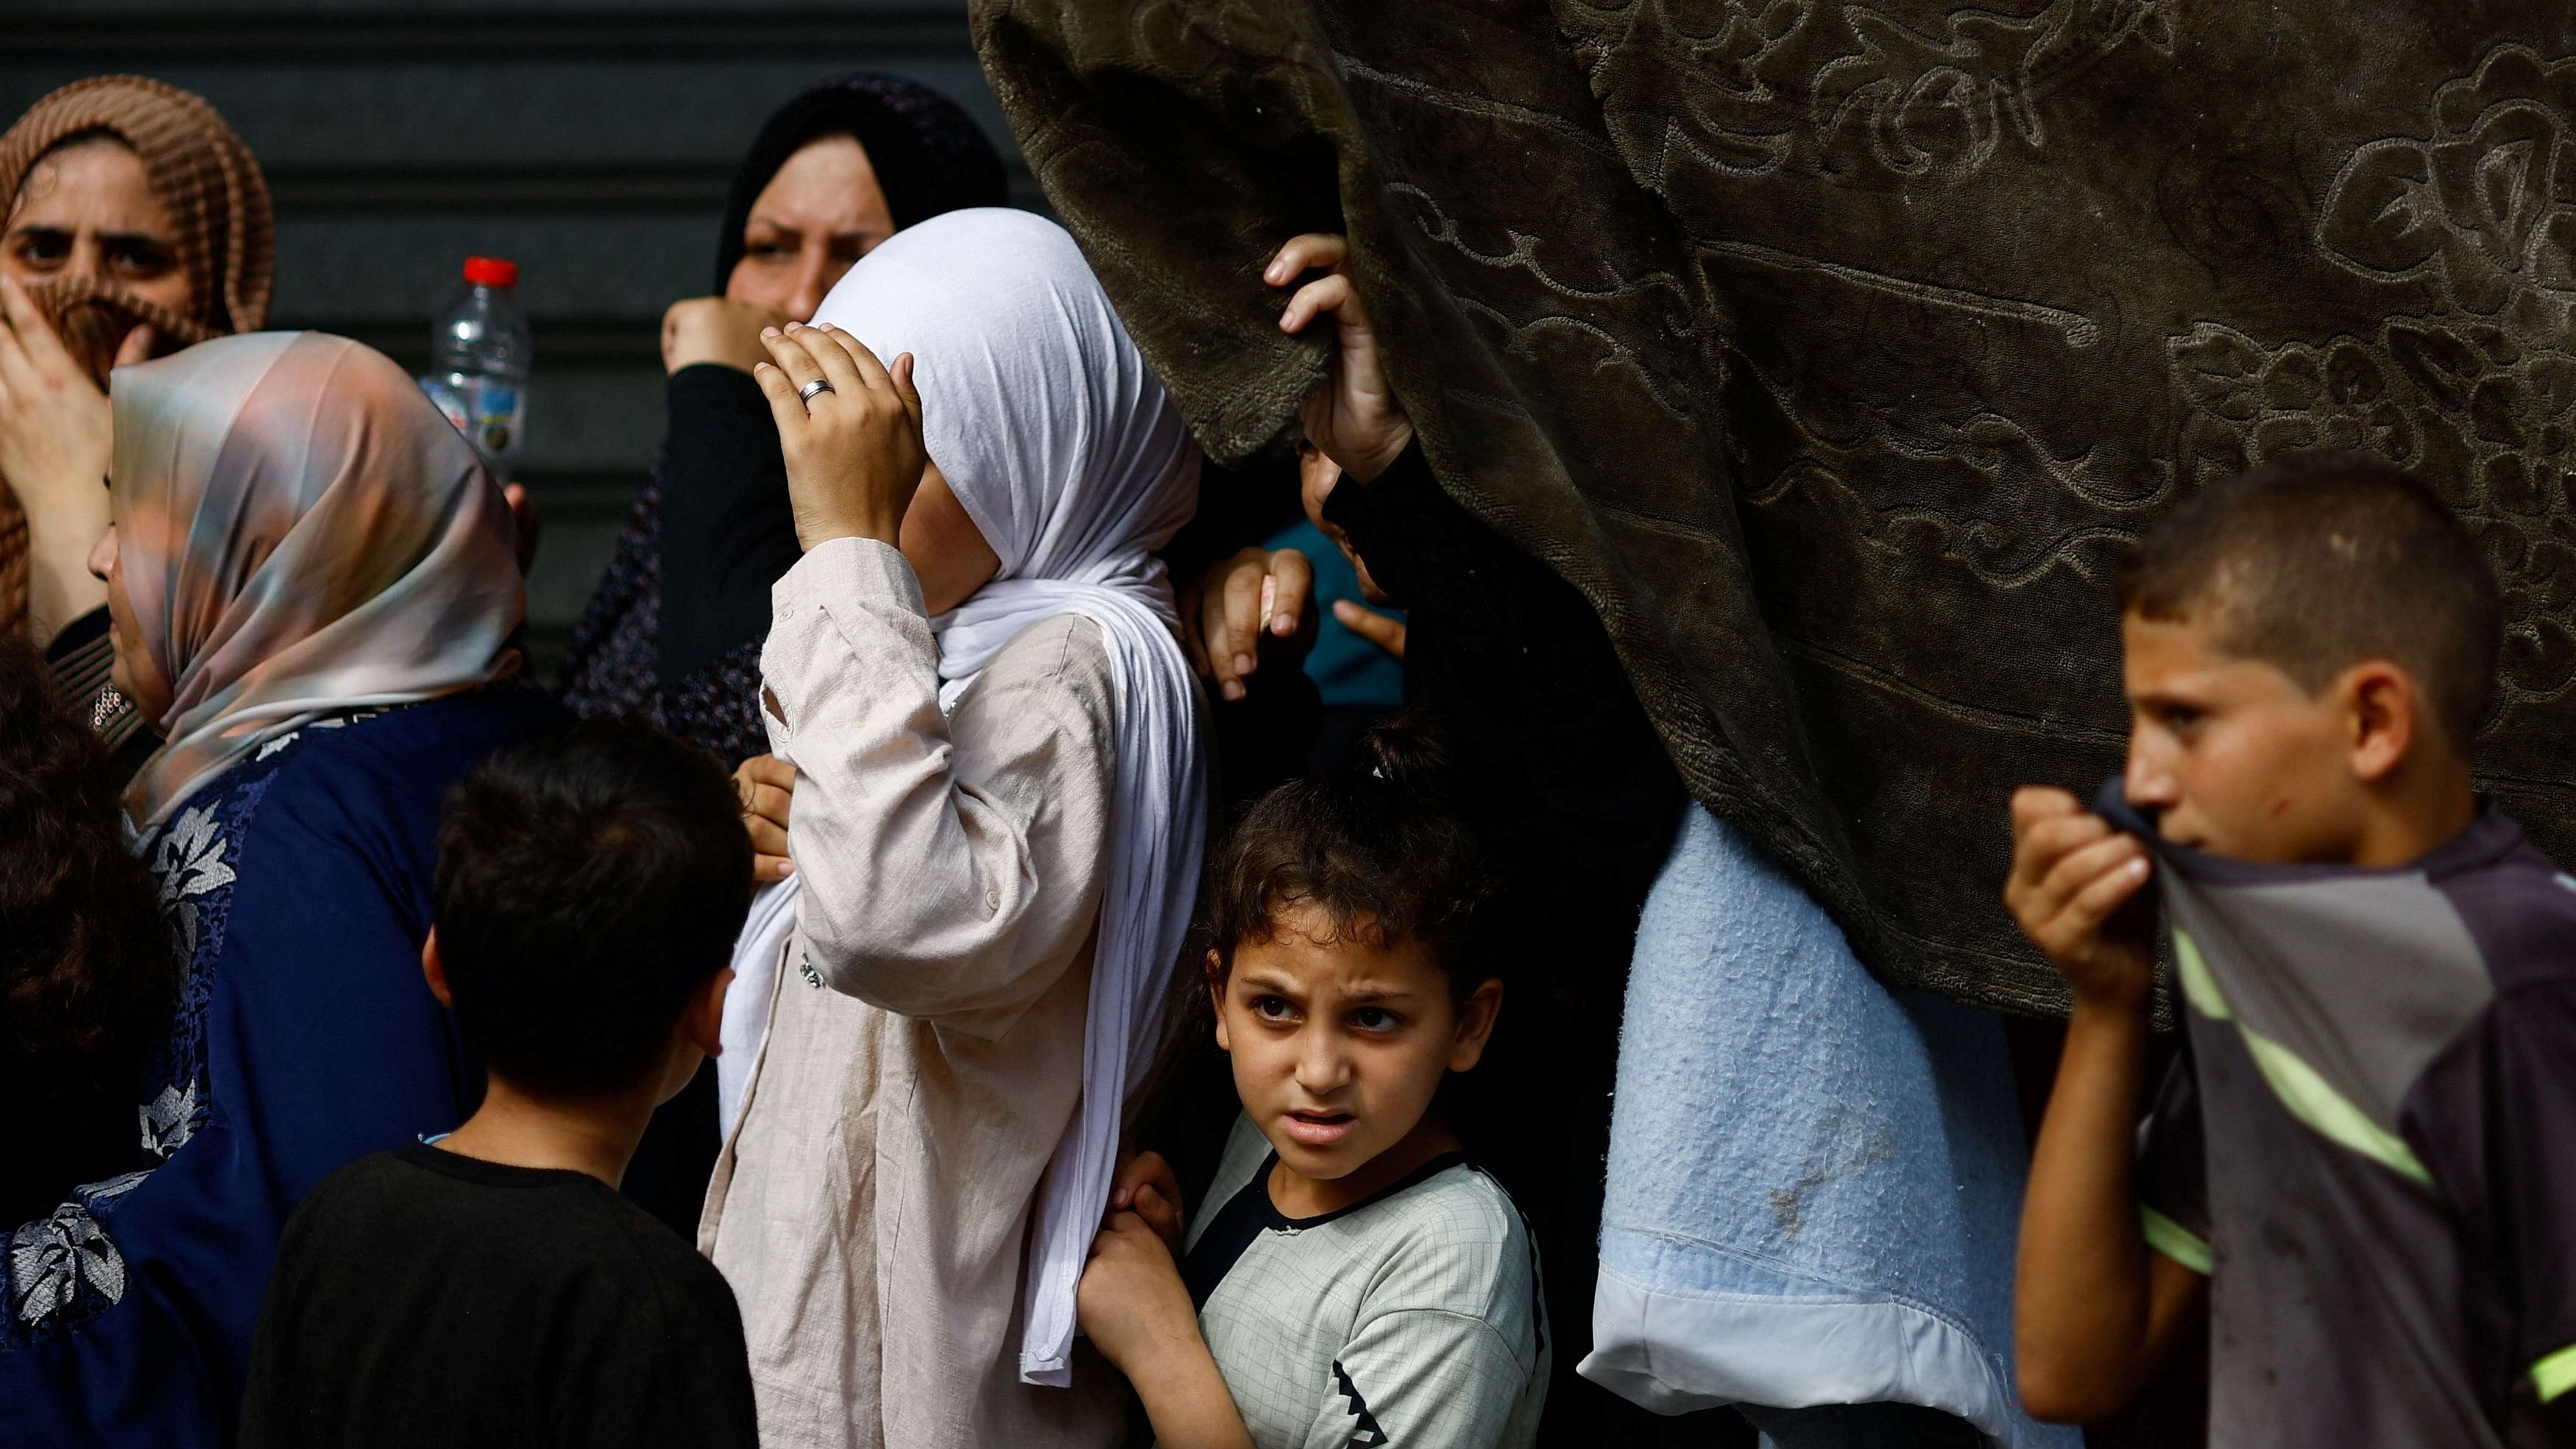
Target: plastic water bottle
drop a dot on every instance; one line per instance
(479, 354)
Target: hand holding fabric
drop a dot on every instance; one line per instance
(2071, 873)
(1147, 1186)
(1352, 415)
(766, 783)
(854, 449)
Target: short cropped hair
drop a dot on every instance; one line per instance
(2319, 561)
(1389, 848)
(588, 884)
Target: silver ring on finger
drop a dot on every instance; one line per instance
(806, 393)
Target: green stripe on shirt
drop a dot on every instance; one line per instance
(2182, 1244)
(2555, 1374)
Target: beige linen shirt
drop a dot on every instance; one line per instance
(924, 1050)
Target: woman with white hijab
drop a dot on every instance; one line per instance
(998, 818)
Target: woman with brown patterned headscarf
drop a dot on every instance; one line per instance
(133, 222)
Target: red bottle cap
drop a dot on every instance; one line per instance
(491, 272)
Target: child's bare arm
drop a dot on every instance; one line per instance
(2093, 1309)
(1137, 1312)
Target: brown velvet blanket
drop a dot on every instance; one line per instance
(1833, 351)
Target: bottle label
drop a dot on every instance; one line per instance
(490, 412)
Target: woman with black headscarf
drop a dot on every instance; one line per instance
(673, 633)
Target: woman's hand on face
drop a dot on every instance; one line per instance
(854, 450)
(765, 784)
(1226, 611)
(1352, 415)
(55, 426)
(1132, 1301)
(716, 329)
(56, 435)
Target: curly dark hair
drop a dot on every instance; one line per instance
(88, 973)
(1390, 847)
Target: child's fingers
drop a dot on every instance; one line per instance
(767, 837)
(2034, 803)
(1305, 253)
(2081, 866)
(1295, 580)
(1379, 629)
(1333, 294)
(1241, 644)
(2089, 909)
(767, 802)
(2047, 840)
(1135, 1172)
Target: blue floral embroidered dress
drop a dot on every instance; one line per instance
(298, 886)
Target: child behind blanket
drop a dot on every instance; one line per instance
(1352, 1278)
(2366, 1157)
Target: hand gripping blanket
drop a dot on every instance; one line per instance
(1834, 350)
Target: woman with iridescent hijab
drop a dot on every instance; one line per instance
(313, 588)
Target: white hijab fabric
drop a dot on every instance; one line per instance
(1063, 448)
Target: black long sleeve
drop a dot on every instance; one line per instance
(728, 531)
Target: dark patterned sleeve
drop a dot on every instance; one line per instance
(609, 667)
(2173, 1171)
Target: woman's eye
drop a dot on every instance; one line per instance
(1272, 1008)
(1375, 1018)
(43, 248)
(140, 259)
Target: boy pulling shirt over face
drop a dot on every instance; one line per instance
(2371, 1147)
(2367, 1151)
(491, 1288)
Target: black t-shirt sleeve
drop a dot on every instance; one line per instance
(2173, 1171)
(2494, 1120)
(672, 1370)
(728, 531)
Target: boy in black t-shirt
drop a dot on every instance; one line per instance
(491, 1287)
(2367, 1152)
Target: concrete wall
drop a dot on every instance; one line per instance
(589, 141)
